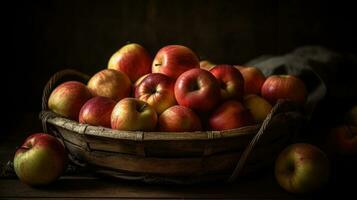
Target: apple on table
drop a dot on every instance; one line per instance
(302, 168)
(342, 141)
(40, 160)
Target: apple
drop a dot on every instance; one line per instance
(230, 115)
(40, 160)
(179, 119)
(284, 87)
(97, 111)
(173, 60)
(158, 91)
(342, 141)
(131, 114)
(253, 79)
(133, 60)
(197, 89)
(110, 83)
(230, 80)
(206, 65)
(137, 82)
(68, 98)
(258, 106)
(302, 168)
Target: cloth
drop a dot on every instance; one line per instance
(326, 73)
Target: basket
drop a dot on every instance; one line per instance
(172, 157)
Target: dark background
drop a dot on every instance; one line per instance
(43, 37)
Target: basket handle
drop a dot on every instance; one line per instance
(54, 80)
(276, 109)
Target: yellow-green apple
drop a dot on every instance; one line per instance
(230, 115)
(97, 111)
(132, 114)
(173, 60)
(197, 89)
(342, 141)
(68, 98)
(258, 106)
(253, 79)
(40, 160)
(179, 119)
(230, 80)
(110, 83)
(284, 87)
(206, 64)
(133, 60)
(158, 91)
(302, 168)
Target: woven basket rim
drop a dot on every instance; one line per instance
(99, 131)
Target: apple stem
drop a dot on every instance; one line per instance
(142, 107)
(157, 65)
(23, 147)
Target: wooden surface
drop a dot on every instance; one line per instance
(263, 186)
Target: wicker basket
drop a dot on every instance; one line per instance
(172, 157)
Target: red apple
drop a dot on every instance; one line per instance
(230, 115)
(97, 111)
(158, 91)
(253, 79)
(132, 114)
(110, 83)
(173, 60)
(133, 60)
(40, 160)
(206, 65)
(258, 106)
(179, 119)
(68, 98)
(137, 82)
(284, 87)
(342, 141)
(230, 80)
(302, 168)
(197, 89)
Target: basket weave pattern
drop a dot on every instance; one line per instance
(172, 157)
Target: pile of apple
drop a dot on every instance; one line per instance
(174, 92)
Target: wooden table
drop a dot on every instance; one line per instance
(89, 186)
